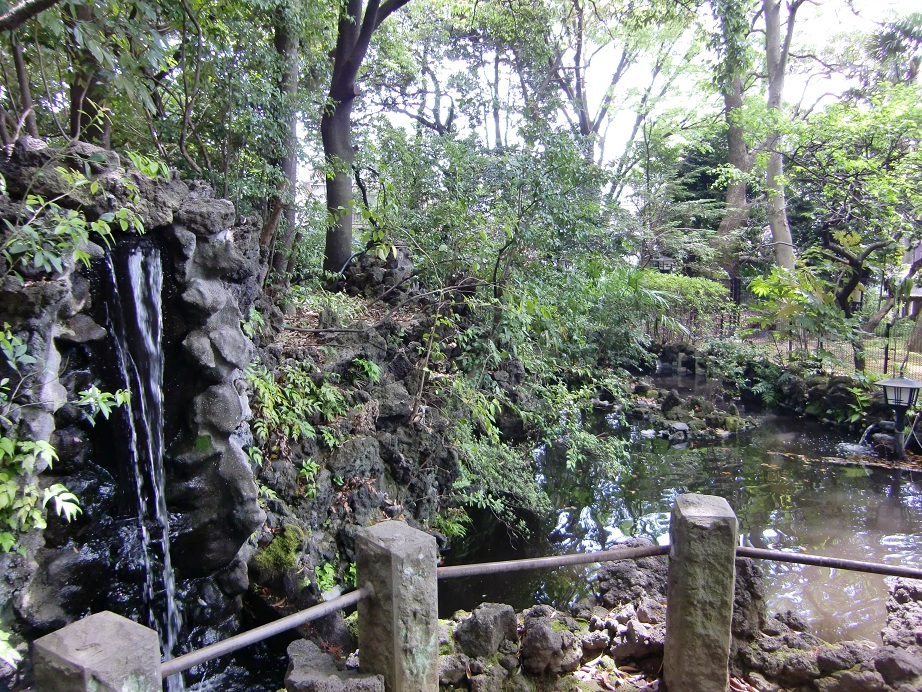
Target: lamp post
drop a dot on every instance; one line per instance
(664, 264)
(900, 393)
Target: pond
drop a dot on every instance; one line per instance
(783, 483)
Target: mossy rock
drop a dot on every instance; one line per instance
(352, 624)
(732, 423)
(697, 425)
(281, 555)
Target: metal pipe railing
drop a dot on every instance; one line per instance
(548, 562)
(654, 550)
(231, 644)
(833, 562)
(257, 634)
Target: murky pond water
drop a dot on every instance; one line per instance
(786, 491)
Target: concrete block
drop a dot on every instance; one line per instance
(699, 607)
(103, 652)
(398, 626)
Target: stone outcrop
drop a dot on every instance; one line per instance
(211, 278)
(388, 277)
(312, 670)
(667, 414)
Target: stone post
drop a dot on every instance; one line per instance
(699, 607)
(103, 653)
(398, 625)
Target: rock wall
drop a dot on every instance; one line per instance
(211, 275)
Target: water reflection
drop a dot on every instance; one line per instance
(787, 495)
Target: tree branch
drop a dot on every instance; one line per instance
(23, 12)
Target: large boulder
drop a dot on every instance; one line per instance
(480, 634)
(550, 645)
(624, 581)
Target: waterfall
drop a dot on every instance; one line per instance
(137, 322)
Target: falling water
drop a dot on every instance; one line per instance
(864, 436)
(138, 325)
(863, 448)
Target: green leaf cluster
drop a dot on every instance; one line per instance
(289, 405)
(22, 499)
(47, 234)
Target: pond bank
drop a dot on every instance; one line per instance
(615, 639)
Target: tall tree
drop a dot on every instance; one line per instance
(286, 45)
(858, 163)
(777, 50)
(731, 45)
(352, 40)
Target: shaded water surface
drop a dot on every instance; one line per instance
(787, 494)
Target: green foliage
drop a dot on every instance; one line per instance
(8, 654)
(699, 304)
(451, 522)
(856, 164)
(308, 474)
(254, 325)
(326, 576)
(496, 477)
(798, 306)
(22, 501)
(366, 370)
(490, 213)
(49, 234)
(255, 455)
(312, 297)
(730, 42)
(626, 311)
(150, 166)
(858, 407)
(330, 437)
(95, 402)
(264, 493)
(565, 423)
(285, 404)
(65, 502)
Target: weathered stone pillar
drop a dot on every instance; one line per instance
(398, 626)
(699, 609)
(103, 653)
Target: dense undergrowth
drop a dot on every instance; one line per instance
(509, 374)
(534, 366)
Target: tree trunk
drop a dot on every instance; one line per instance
(286, 45)
(352, 39)
(777, 210)
(776, 54)
(22, 12)
(737, 213)
(25, 93)
(915, 337)
(5, 138)
(88, 119)
(336, 132)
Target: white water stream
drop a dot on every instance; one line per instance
(137, 326)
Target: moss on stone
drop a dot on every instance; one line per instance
(281, 555)
(733, 423)
(559, 626)
(352, 624)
